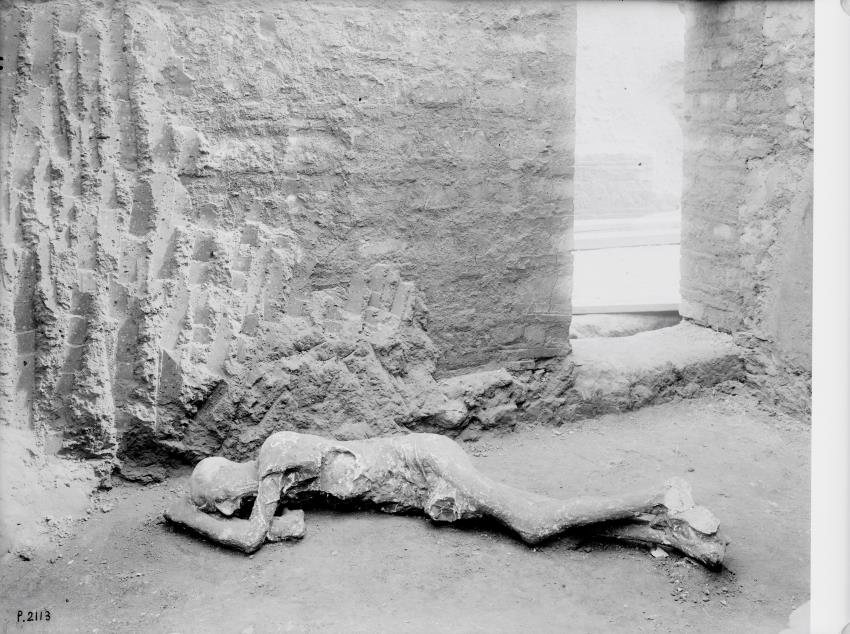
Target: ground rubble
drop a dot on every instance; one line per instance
(123, 565)
(357, 362)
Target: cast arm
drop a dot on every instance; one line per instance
(246, 535)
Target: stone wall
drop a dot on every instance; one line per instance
(177, 176)
(747, 207)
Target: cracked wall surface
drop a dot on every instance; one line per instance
(179, 177)
(747, 206)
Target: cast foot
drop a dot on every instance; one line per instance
(709, 549)
(677, 496)
(689, 528)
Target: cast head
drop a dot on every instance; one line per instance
(220, 484)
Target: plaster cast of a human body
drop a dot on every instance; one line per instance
(421, 473)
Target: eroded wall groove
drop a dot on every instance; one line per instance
(184, 179)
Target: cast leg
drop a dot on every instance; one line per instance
(534, 517)
(676, 522)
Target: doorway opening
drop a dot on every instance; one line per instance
(628, 167)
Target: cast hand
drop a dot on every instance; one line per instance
(180, 511)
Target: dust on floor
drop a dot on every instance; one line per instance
(124, 570)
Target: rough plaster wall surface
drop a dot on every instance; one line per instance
(177, 177)
(747, 208)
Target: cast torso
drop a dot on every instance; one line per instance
(390, 472)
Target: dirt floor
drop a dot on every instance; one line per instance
(124, 570)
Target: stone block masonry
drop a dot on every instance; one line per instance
(178, 176)
(747, 207)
